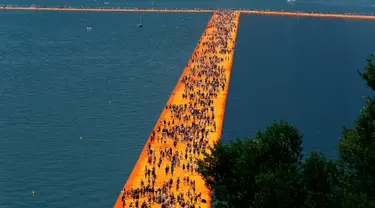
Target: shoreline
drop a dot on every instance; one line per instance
(261, 12)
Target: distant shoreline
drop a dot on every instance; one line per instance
(260, 12)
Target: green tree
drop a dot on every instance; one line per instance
(238, 171)
(369, 73)
(320, 181)
(357, 150)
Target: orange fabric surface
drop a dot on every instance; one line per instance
(306, 14)
(137, 174)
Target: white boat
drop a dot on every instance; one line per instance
(140, 22)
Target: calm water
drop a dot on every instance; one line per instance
(60, 82)
(303, 70)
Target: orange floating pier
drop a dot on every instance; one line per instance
(309, 14)
(165, 172)
(204, 59)
(263, 12)
(104, 9)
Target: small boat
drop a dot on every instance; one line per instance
(140, 22)
(88, 28)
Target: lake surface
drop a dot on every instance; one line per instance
(61, 82)
(300, 69)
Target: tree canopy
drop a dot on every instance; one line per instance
(269, 170)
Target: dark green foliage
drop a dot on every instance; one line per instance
(357, 149)
(228, 169)
(369, 73)
(320, 181)
(279, 144)
(241, 169)
(268, 170)
(279, 188)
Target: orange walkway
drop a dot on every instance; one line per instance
(137, 174)
(105, 9)
(264, 12)
(306, 14)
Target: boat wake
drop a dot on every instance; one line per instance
(373, 5)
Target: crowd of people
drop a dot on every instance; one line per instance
(181, 135)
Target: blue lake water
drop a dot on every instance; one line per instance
(60, 82)
(300, 69)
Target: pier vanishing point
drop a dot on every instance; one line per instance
(193, 116)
